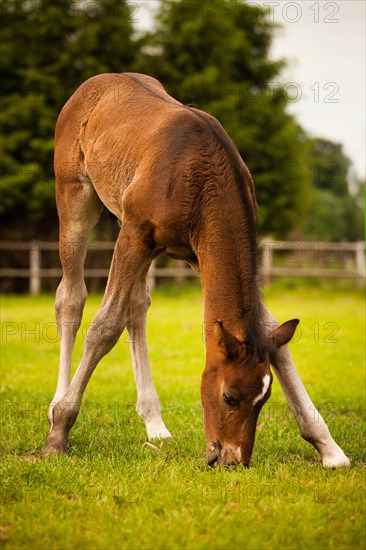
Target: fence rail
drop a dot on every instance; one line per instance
(296, 259)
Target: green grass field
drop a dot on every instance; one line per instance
(113, 492)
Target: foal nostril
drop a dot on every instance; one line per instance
(212, 460)
(213, 453)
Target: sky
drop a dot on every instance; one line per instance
(323, 43)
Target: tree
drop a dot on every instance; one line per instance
(211, 54)
(329, 166)
(325, 220)
(335, 213)
(48, 48)
(215, 55)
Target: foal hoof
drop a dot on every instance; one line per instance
(157, 430)
(336, 459)
(54, 446)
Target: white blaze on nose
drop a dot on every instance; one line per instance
(266, 381)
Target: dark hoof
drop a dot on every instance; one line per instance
(55, 446)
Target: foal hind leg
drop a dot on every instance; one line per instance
(131, 255)
(148, 403)
(79, 210)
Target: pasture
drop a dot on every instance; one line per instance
(112, 491)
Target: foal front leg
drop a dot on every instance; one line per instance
(312, 426)
(148, 403)
(130, 257)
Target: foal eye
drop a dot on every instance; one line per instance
(229, 399)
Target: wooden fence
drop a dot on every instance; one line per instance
(278, 259)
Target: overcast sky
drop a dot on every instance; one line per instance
(324, 44)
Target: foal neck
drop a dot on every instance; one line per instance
(228, 263)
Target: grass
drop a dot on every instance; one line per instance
(111, 492)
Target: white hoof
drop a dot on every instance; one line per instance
(156, 430)
(336, 460)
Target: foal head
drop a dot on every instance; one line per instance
(235, 385)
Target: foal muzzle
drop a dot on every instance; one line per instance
(227, 455)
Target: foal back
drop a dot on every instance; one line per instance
(138, 147)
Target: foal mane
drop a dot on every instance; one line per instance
(255, 338)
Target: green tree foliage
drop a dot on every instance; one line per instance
(334, 212)
(215, 55)
(48, 47)
(329, 167)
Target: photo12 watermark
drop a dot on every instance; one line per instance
(276, 11)
(86, 12)
(244, 93)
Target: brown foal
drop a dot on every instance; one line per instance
(179, 187)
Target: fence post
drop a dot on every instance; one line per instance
(179, 279)
(267, 258)
(35, 268)
(360, 264)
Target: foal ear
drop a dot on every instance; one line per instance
(228, 343)
(283, 334)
